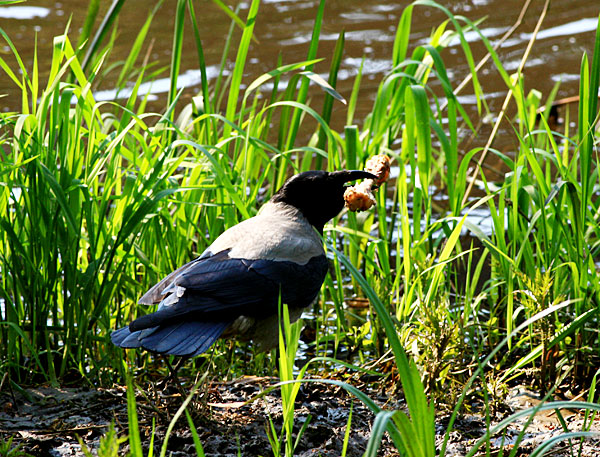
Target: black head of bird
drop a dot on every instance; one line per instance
(319, 195)
(236, 285)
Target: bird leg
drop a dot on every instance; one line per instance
(172, 377)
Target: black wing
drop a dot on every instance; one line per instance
(207, 295)
(223, 288)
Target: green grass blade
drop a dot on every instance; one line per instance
(197, 444)
(240, 62)
(547, 445)
(402, 37)
(176, 52)
(232, 15)
(302, 93)
(135, 442)
(137, 46)
(103, 29)
(422, 414)
(180, 411)
(380, 425)
(202, 65)
(90, 18)
(354, 94)
(331, 92)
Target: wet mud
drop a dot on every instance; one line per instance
(48, 421)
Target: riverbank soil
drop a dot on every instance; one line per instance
(49, 421)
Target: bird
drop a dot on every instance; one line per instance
(234, 288)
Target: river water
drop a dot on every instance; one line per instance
(284, 27)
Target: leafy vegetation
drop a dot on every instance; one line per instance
(101, 199)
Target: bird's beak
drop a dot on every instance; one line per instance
(351, 175)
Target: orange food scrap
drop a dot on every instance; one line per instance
(360, 197)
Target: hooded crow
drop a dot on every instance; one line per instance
(234, 287)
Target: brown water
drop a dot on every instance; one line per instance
(285, 27)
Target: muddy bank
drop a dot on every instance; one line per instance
(48, 421)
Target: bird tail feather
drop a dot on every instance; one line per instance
(182, 338)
